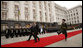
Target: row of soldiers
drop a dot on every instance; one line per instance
(16, 32)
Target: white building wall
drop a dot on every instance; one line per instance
(52, 9)
(37, 11)
(11, 11)
(80, 14)
(43, 12)
(47, 11)
(54, 20)
(56, 12)
(22, 11)
(73, 11)
(60, 13)
(30, 11)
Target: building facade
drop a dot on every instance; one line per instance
(39, 11)
(60, 13)
(74, 15)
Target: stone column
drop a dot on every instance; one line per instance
(50, 11)
(30, 11)
(47, 12)
(37, 11)
(11, 15)
(53, 17)
(43, 11)
(21, 8)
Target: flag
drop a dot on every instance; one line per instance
(18, 12)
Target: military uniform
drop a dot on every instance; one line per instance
(63, 30)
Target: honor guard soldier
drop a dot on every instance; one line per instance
(63, 29)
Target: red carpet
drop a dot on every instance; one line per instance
(43, 41)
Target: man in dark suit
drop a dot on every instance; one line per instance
(34, 31)
(63, 29)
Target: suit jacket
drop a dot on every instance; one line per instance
(35, 29)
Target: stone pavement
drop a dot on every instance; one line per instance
(24, 38)
(75, 41)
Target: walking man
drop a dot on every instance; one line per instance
(63, 29)
(34, 32)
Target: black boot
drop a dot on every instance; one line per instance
(58, 32)
(35, 41)
(65, 39)
(38, 39)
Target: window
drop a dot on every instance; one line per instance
(75, 22)
(77, 13)
(76, 9)
(3, 10)
(3, 15)
(78, 21)
(74, 14)
(71, 14)
(4, 5)
(77, 17)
